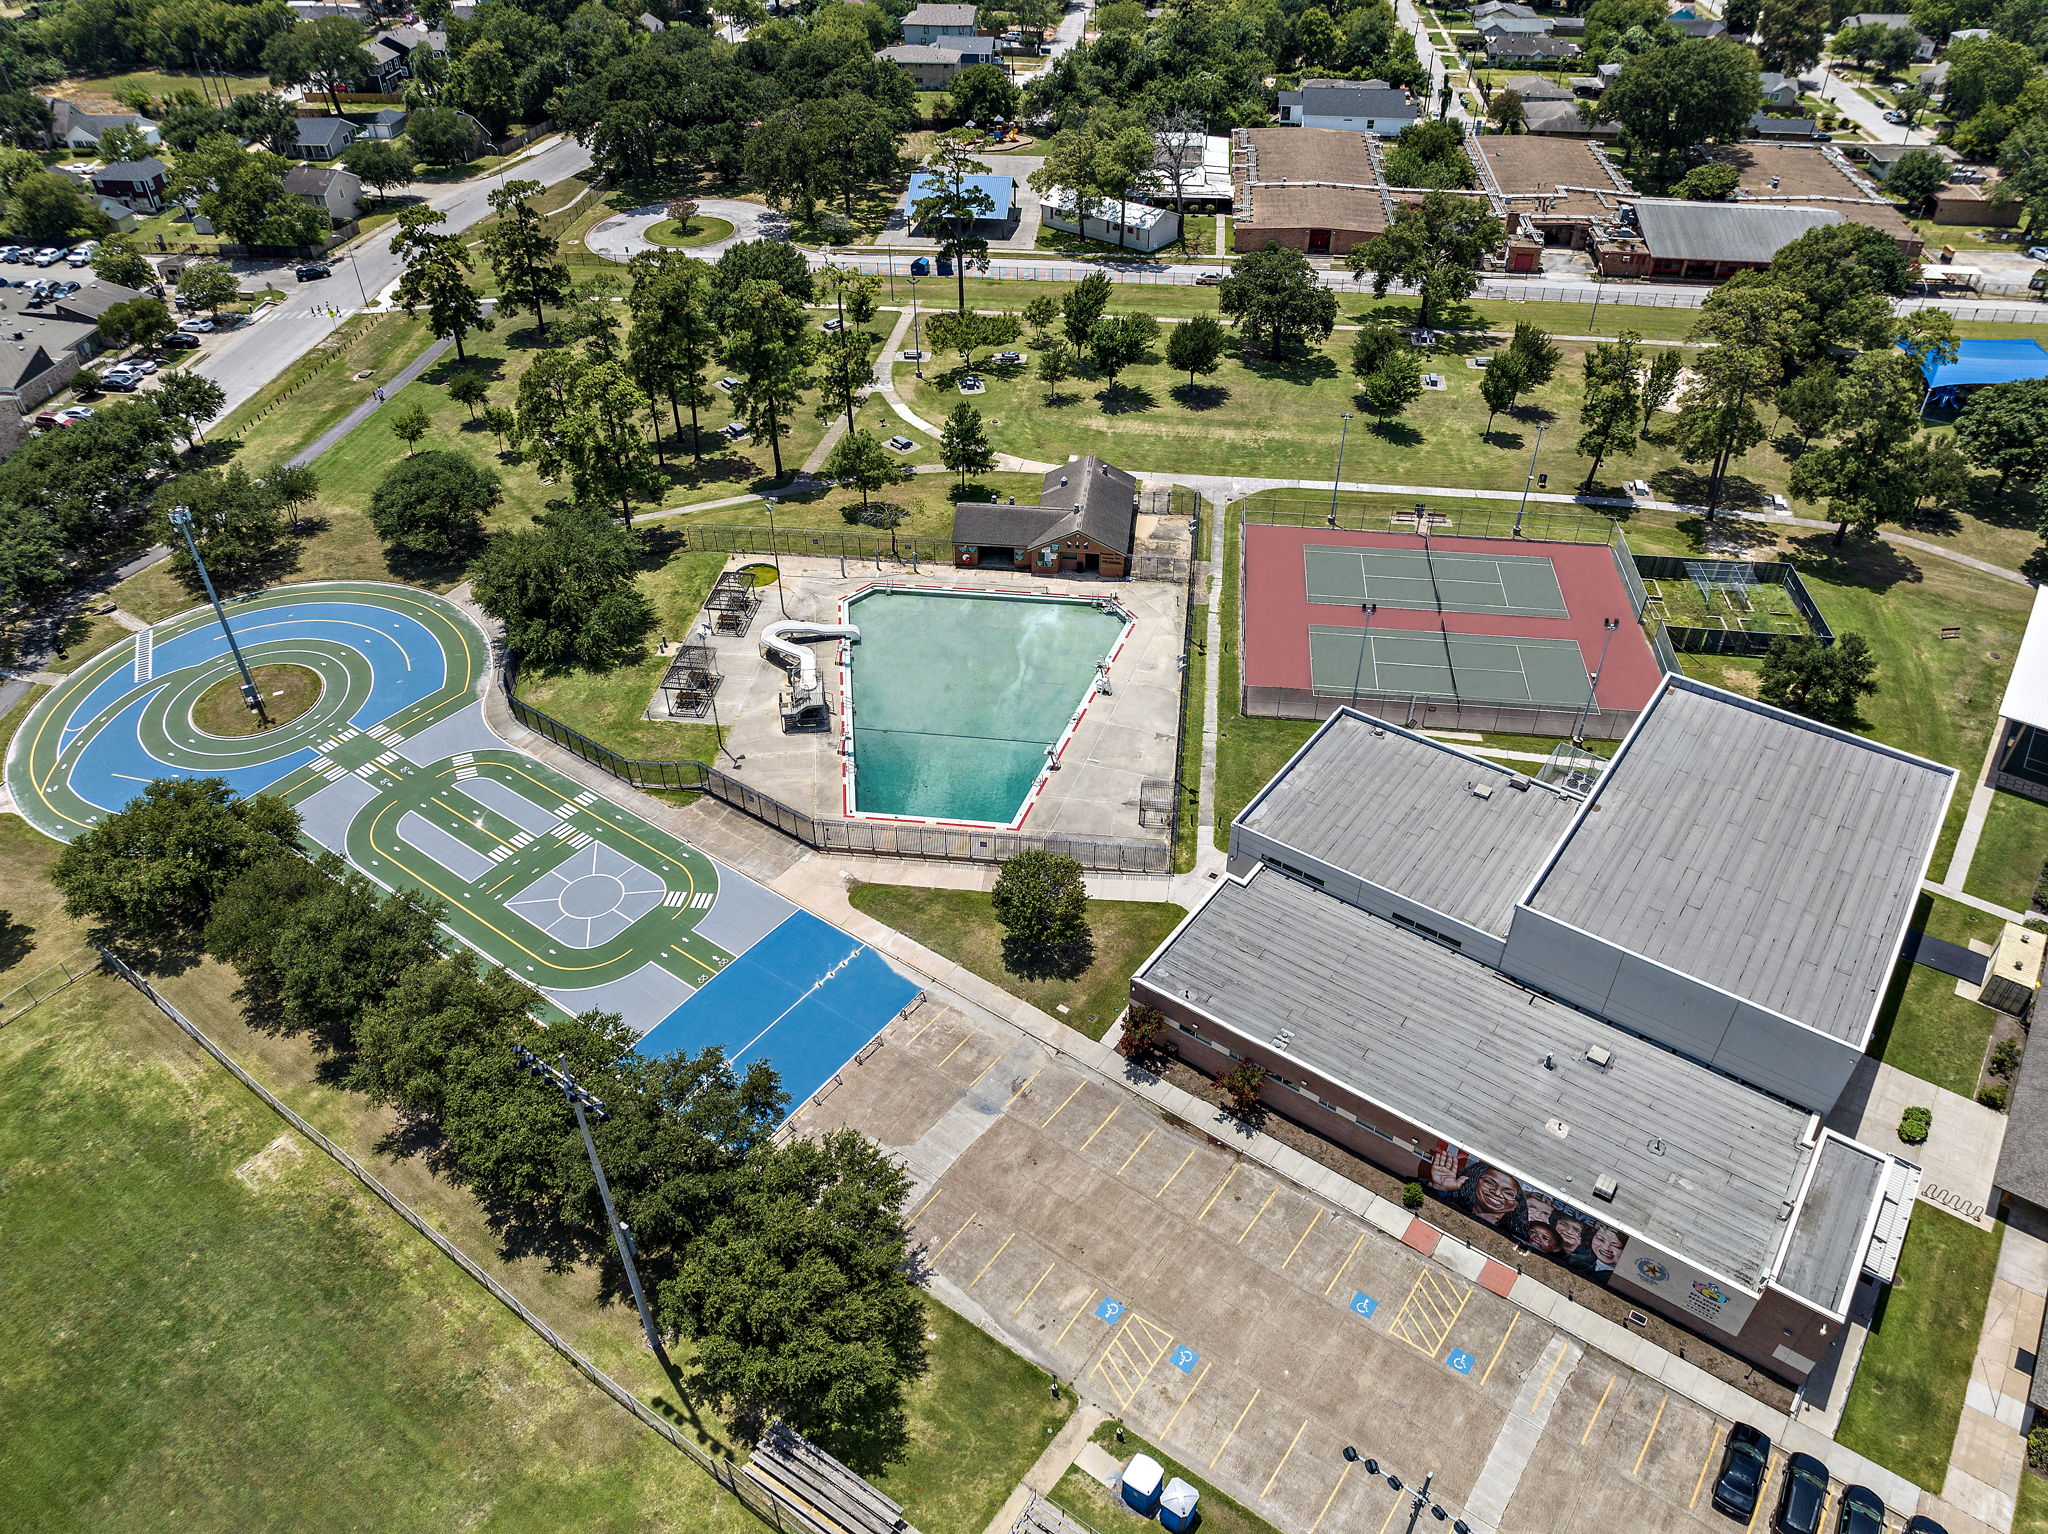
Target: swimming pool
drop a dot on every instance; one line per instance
(961, 698)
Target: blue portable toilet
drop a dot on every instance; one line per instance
(1177, 1506)
(1140, 1484)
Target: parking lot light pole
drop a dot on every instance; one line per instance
(1336, 479)
(1422, 1499)
(181, 519)
(1530, 480)
(1365, 644)
(622, 1235)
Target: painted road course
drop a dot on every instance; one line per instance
(395, 769)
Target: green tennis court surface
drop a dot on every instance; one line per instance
(1506, 585)
(1474, 668)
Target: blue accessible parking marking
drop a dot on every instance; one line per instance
(1110, 1310)
(1185, 1359)
(1364, 1304)
(1461, 1360)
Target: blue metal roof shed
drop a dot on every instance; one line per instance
(1988, 362)
(1001, 192)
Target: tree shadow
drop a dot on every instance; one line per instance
(1047, 961)
(17, 940)
(1531, 415)
(1505, 440)
(1727, 532)
(418, 569)
(1870, 563)
(1295, 367)
(1395, 433)
(1126, 399)
(872, 1441)
(492, 368)
(1790, 446)
(1193, 396)
(212, 453)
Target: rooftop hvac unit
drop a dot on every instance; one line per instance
(1598, 1055)
(1481, 790)
(1605, 1187)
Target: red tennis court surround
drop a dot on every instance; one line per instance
(1280, 619)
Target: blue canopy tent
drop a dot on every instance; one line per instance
(1001, 192)
(1979, 363)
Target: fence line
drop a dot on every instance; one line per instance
(1503, 520)
(47, 982)
(759, 1499)
(1691, 639)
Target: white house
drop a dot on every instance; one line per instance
(943, 25)
(76, 129)
(1359, 106)
(1141, 226)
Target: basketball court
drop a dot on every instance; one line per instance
(1454, 632)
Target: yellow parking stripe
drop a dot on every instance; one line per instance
(1233, 1429)
(1314, 1215)
(1602, 1406)
(1255, 1218)
(1267, 1490)
(1654, 1421)
(1517, 1316)
(1034, 1288)
(1012, 1236)
(1712, 1444)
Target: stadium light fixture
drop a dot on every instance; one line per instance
(181, 519)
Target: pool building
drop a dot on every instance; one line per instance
(1085, 523)
(1608, 1023)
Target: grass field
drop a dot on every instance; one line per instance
(2032, 1515)
(206, 1326)
(1088, 1499)
(107, 88)
(1908, 1395)
(961, 925)
(287, 692)
(1924, 1028)
(2009, 856)
(703, 230)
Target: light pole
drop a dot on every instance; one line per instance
(1365, 644)
(181, 519)
(1593, 681)
(1422, 1498)
(916, 346)
(775, 553)
(1343, 435)
(622, 1235)
(1526, 483)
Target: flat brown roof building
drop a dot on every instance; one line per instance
(1320, 191)
(1552, 190)
(1814, 176)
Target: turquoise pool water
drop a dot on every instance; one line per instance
(956, 696)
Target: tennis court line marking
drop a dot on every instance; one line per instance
(1233, 1429)
(1012, 1236)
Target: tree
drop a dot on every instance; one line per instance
(1506, 111)
(1242, 1084)
(88, 483)
(207, 285)
(1506, 376)
(862, 461)
(598, 438)
(381, 163)
(1396, 382)
(1811, 400)
(954, 206)
(118, 262)
(503, 421)
(432, 505)
(1917, 176)
(1434, 247)
(982, 93)
(524, 256)
(1660, 382)
(1276, 301)
(1430, 153)
(52, 207)
(411, 424)
(1792, 33)
(326, 54)
(565, 589)
(1717, 419)
(1985, 72)
(1082, 305)
(1120, 341)
(137, 322)
(1806, 674)
(1055, 367)
(469, 387)
(1711, 182)
(1540, 355)
(1040, 314)
(187, 400)
(1700, 91)
(772, 261)
(146, 877)
(769, 346)
(798, 1295)
(242, 192)
(1180, 137)
(1862, 474)
(291, 485)
(1611, 409)
(673, 334)
(441, 136)
(1041, 902)
(238, 525)
(436, 278)
(963, 444)
(853, 293)
(967, 332)
(2004, 429)
(1195, 346)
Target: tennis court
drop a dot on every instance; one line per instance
(1472, 667)
(1505, 585)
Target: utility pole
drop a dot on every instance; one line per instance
(622, 1235)
(1336, 479)
(1365, 644)
(181, 519)
(1526, 483)
(775, 553)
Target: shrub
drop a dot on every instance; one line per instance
(1996, 1095)
(1144, 1035)
(1243, 1081)
(1914, 1124)
(2037, 1446)
(2005, 1057)
(1412, 1196)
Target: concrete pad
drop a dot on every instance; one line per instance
(327, 816)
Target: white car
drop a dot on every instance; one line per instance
(71, 413)
(1895, 117)
(2037, 252)
(49, 256)
(78, 258)
(137, 365)
(196, 327)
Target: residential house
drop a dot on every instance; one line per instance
(1784, 129)
(323, 138)
(1506, 50)
(1352, 106)
(1127, 225)
(1878, 159)
(1086, 522)
(1779, 90)
(1923, 49)
(1516, 26)
(40, 349)
(1700, 26)
(943, 25)
(391, 54)
(388, 123)
(77, 129)
(932, 66)
(1562, 119)
(1536, 88)
(330, 187)
(1481, 14)
(138, 183)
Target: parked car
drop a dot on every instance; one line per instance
(49, 255)
(140, 364)
(901, 443)
(1741, 1480)
(78, 258)
(1895, 117)
(1804, 1498)
(196, 326)
(1920, 1523)
(182, 340)
(10, 252)
(313, 271)
(47, 418)
(732, 431)
(121, 383)
(921, 267)
(65, 289)
(2037, 252)
(1862, 1512)
(1006, 359)
(1208, 279)
(833, 324)
(73, 413)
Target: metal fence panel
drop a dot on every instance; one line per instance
(1535, 525)
(47, 982)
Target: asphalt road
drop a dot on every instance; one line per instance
(243, 361)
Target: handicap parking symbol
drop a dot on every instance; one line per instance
(1185, 1359)
(1364, 1304)
(1461, 1360)
(1110, 1310)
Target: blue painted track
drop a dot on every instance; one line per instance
(806, 998)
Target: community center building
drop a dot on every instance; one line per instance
(1085, 522)
(1604, 1019)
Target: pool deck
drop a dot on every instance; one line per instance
(1126, 738)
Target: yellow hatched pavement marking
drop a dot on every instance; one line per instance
(1430, 1311)
(1133, 1352)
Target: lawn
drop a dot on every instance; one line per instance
(961, 925)
(1248, 751)
(2008, 861)
(291, 411)
(1088, 1499)
(34, 931)
(206, 1326)
(1924, 1028)
(107, 88)
(2032, 1516)
(1908, 1395)
(83, 637)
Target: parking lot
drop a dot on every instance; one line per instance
(1247, 1327)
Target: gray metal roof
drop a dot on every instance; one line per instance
(1399, 810)
(1761, 853)
(942, 16)
(325, 130)
(1704, 1165)
(1353, 98)
(1824, 1254)
(2023, 1157)
(1088, 497)
(1724, 231)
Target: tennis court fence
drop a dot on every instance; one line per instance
(1733, 633)
(1418, 712)
(1397, 515)
(870, 838)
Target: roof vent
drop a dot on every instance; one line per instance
(1558, 1127)
(1549, 1061)
(1785, 1210)
(1605, 1187)
(1656, 1146)
(1481, 790)
(1519, 784)
(1774, 183)
(1598, 1054)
